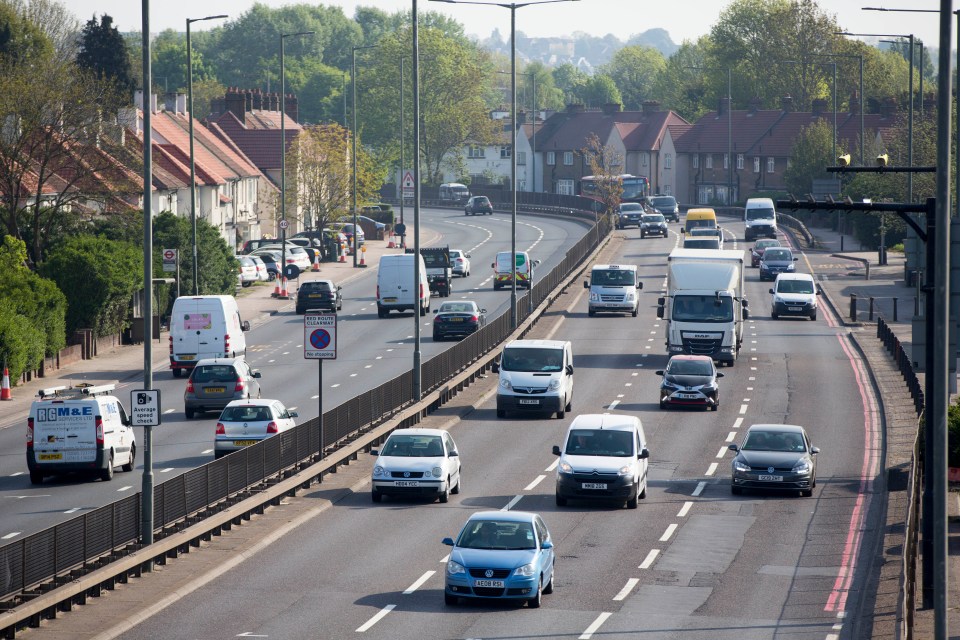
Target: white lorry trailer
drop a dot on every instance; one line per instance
(704, 307)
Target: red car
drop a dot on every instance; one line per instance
(756, 253)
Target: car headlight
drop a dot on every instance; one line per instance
(594, 296)
(454, 568)
(625, 470)
(526, 570)
(777, 300)
(630, 297)
(739, 465)
(564, 467)
(379, 471)
(505, 384)
(802, 467)
(791, 267)
(437, 472)
(708, 388)
(669, 385)
(554, 384)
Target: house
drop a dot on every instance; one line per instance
(490, 164)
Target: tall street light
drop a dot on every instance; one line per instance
(513, 6)
(283, 162)
(193, 180)
(353, 82)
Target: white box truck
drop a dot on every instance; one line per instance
(704, 307)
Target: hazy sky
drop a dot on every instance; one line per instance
(683, 19)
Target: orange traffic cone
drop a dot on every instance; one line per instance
(283, 288)
(391, 244)
(5, 387)
(363, 262)
(276, 287)
(343, 256)
(315, 267)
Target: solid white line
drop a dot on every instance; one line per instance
(553, 465)
(631, 583)
(743, 408)
(10, 535)
(700, 487)
(167, 470)
(17, 473)
(534, 483)
(416, 585)
(684, 509)
(586, 635)
(722, 452)
(205, 451)
(126, 488)
(668, 533)
(649, 559)
(375, 619)
(169, 411)
(445, 559)
(334, 386)
(74, 510)
(730, 437)
(737, 423)
(712, 469)
(512, 503)
(613, 404)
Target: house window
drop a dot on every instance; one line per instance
(739, 161)
(756, 164)
(522, 158)
(505, 152)
(726, 161)
(565, 187)
(770, 165)
(696, 161)
(474, 151)
(568, 158)
(551, 158)
(709, 161)
(668, 161)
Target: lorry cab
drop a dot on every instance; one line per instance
(503, 270)
(702, 217)
(613, 288)
(205, 327)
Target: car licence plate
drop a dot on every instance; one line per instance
(594, 485)
(244, 443)
(794, 308)
(688, 396)
(770, 478)
(456, 319)
(187, 356)
(497, 584)
(389, 299)
(407, 483)
(525, 401)
(314, 295)
(50, 456)
(216, 389)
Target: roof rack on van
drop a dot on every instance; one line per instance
(77, 391)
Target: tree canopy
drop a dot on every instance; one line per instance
(104, 51)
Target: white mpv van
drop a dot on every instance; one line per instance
(396, 285)
(535, 375)
(204, 327)
(615, 288)
(794, 294)
(79, 429)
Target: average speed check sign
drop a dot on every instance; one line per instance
(320, 336)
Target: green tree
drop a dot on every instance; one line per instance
(549, 96)
(601, 90)
(682, 83)
(20, 38)
(604, 163)
(104, 51)
(635, 70)
(217, 269)
(812, 154)
(55, 19)
(571, 82)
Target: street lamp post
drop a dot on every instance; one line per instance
(283, 163)
(193, 179)
(513, 6)
(729, 129)
(533, 144)
(353, 82)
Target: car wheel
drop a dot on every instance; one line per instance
(633, 502)
(716, 406)
(569, 406)
(381, 313)
(299, 311)
(107, 474)
(376, 496)
(423, 311)
(635, 312)
(547, 590)
(456, 489)
(813, 316)
(436, 337)
(591, 312)
(642, 235)
(806, 493)
(663, 404)
(643, 492)
(735, 490)
(450, 600)
(133, 459)
(189, 413)
(218, 454)
(445, 494)
(774, 315)
(561, 414)
(177, 373)
(36, 477)
(501, 413)
(534, 602)
(561, 501)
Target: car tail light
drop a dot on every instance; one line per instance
(98, 421)
(226, 344)
(474, 318)
(272, 428)
(221, 431)
(170, 340)
(239, 386)
(190, 386)
(291, 260)
(29, 433)
(421, 291)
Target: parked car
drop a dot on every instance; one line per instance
(690, 380)
(629, 214)
(248, 271)
(756, 252)
(246, 422)
(458, 319)
(416, 462)
(325, 295)
(478, 205)
(653, 224)
(346, 228)
(379, 226)
(270, 259)
(667, 205)
(774, 456)
(252, 245)
(776, 260)
(500, 555)
(460, 262)
(294, 255)
(263, 274)
(794, 294)
(216, 382)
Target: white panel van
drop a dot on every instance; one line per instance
(614, 288)
(503, 270)
(396, 285)
(535, 376)
(760, 218)
(205, 327)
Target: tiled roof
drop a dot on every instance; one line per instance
(640, 130)
(258, 136)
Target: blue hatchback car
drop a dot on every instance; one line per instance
(500, 555)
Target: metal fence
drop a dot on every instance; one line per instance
(83, 543)
(904, 363)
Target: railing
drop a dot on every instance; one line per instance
(908, 590)
(60, 554)
(902, 358)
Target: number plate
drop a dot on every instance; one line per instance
(314, 295)
(688, 396)
(187, 356)
(794, 308)
(525, 401)
(594, 485)
(215, 389)
(407, 483)
(497, 584)
(50, 456)
(456, 319)
(389, 299)
(770, 478)
(244, 443)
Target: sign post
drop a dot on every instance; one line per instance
(145, 408)
(320, 343)
(171, 264)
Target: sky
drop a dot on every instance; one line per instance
(683, 19)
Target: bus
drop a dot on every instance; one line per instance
(635, 188)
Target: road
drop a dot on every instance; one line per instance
(693, 562)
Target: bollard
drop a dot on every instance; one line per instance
(870, 313)
(894, 309)
(853, 307)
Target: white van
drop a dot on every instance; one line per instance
(503, 270)
(535, 375)
(613, 287)
(454, 192)
(760, 218)
(794, 294)
(205, 327)
(396, 286)
(604, 457)
(79, 429)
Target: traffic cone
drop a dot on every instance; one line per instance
(5, 387)
(391, 244)
(363, 262)
(283, 288)
(315, 267)
(343, 256)
(276, 287)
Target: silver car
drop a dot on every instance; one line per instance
(216, 382)
(247, 422)
(417, 462)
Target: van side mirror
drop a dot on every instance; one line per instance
(639, 285)
(256, 374)
(661, 301)
(245, 326)
(771, 290)
(496, 367)
(795, 259)
(586, 284)
(660, 312)
(734, 447)
(556, 450)
(644, 454)
(536, 263)
(746, 314)
(493, 265)
(374, 452)
(570, 369)
(659, 372)
(293, 414)
(447, 541)
(719, 375)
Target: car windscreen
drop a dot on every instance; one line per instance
(456, 307)
(413, 446)
(497, 534)
(214, 373)
(702, 309)
(760, 214)
(246, 414)
(600, 442)
(532, 359)
(774, 441)
(631, 207)
(689, 368)
(665, 202)
(772, 254)
(653, 217)
(309, 287)
(612, 278)
(764, 244)
(794, 286)
(701, 243)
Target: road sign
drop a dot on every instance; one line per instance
(145, 407)
(407, 183)
(292, 271)
(284, 224)
(170, 260)
(320, 336)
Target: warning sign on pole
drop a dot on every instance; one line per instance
(320, 336)
(407, 183)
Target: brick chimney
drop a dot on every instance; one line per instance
(274, 100)
(754, 104)
(723, 105)
(292, 107)
(257, 100)
(611, 108)
(819, 107)
(786, 104)
(650, 106)
(236, 103)
(575, 108)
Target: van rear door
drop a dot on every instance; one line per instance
(64, 431)
(200, 330)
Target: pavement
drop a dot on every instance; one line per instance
(841, 273)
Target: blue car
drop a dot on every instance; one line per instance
(500, 555)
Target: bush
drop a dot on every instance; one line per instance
(953, 435)
(21, 343)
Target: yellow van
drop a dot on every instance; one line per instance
(700, 218)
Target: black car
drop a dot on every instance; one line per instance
(690, 380)
(457, 319)
(775, 456)
(629, 214)
(319, 294)
(667, 205)
(653, 224)
(478, 205)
